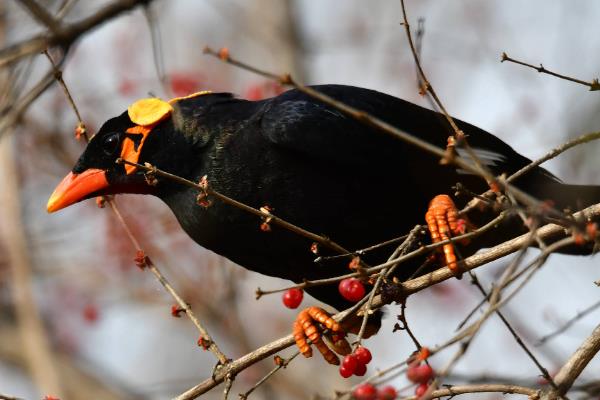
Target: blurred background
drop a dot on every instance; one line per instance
(78, 319)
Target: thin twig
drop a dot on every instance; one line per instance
(212, 346)
(401, 250)
(67, 34)
(281, 364)
(361, 252)
(593, 85)
(456, 390)
(59, 78)
(569, 323)
(228, 200)
(513, 332)
(314, 237)
(42, 15)
(588, 137)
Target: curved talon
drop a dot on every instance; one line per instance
(442, 221)
(304, 328)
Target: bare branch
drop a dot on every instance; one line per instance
(593, 85)
(68, 34)
(569, 323)
(39, 13)
(259, 213)
(575, 365)
(487, 388)
(408, 288)
(210, 343)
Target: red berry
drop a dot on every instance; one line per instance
(292, 298)
(387, 393)
(363, 355)
(345, 372)
(350, 362)
(421, 389)
(361, 369)
(419, 373)
(352, 289)
(366, 391)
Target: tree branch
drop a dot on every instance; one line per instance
(407, 288)
(593, 85)
(67, 35)
(575, 365)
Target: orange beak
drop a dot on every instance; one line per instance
(75, 187)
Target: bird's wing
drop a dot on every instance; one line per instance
(300, 123)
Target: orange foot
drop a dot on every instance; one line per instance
(443, 222)
(305, 327)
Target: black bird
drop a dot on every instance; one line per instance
(310, 163)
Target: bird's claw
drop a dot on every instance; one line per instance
(306, 329)
(443, 222)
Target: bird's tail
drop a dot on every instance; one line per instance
(571, 197)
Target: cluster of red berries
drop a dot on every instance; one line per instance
(422, 374)
(356, 363)
(351, 289)
(292, 298)
(366, 391)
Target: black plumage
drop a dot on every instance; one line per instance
(315, 167)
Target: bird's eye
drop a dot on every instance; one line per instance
(110, 143)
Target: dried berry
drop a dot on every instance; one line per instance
(176, 311)
(224, 53)
(203, 342)
(140, 259)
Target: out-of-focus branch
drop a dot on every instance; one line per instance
(66, 35)
(593, 85)
(78, 383)
(35, 344)
(39, 13)
(14, 111)
(6, 397)
(569, 323)
(575, 365)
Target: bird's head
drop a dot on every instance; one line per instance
(144, 133)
